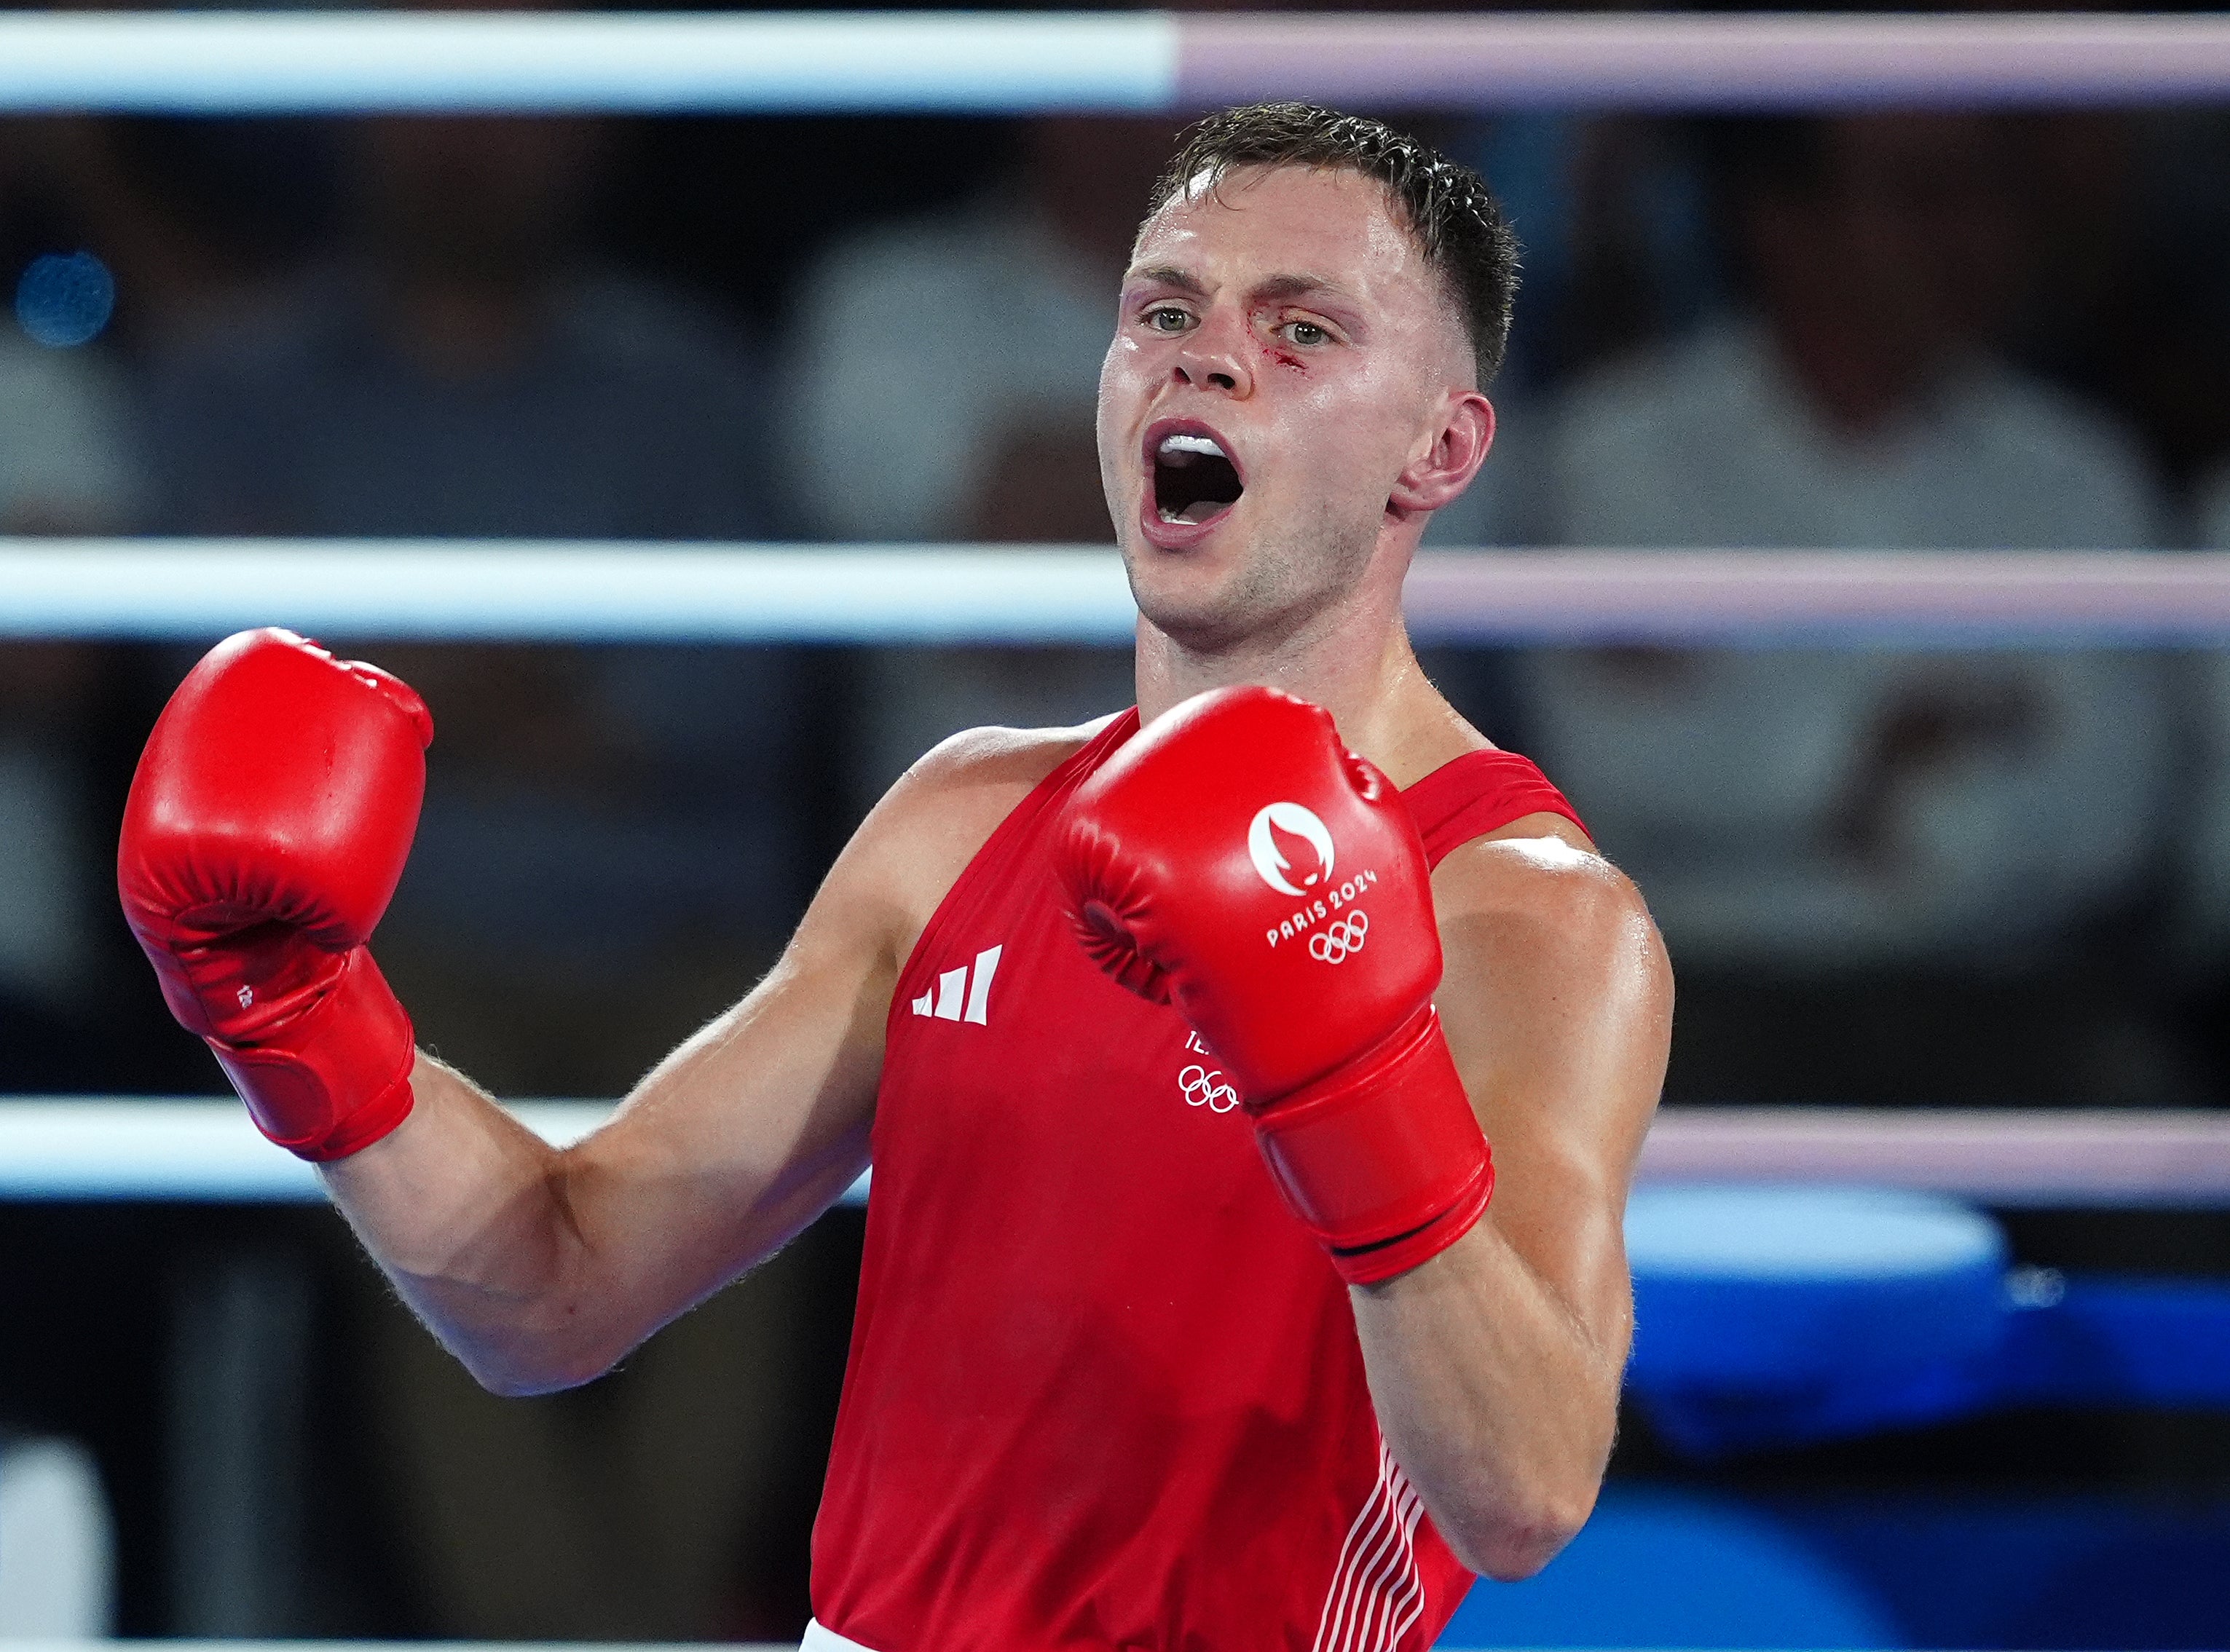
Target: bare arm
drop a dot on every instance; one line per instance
(1495, 1367)
(538, 1267)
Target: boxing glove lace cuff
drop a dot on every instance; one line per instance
(1383, 1161)
(336, 1079)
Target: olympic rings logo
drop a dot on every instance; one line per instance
(1204, 1088)
(1332, 945)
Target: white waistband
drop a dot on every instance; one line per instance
(818, 1639)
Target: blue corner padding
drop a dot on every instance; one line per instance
(1776, 1315)
(1670, 1568)
(2114, 1341)
(1775, 1289)
(1667, 1566)
(1771, 1316)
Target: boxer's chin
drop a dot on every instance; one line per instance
(1211, 597)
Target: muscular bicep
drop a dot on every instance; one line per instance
(744, 1134)
(754, 1127)
(740, 1138)
(1557, 1005)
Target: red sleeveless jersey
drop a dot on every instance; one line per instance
(1103, 1391)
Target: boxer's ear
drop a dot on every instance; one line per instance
(1435, 476)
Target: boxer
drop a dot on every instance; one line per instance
(1252, 1079)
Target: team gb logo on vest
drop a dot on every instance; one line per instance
(1319, 898)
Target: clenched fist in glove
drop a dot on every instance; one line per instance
(268, 825)
(1235, 860)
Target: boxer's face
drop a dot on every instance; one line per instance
(1284, 362)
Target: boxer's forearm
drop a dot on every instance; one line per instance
(540, 1268)
(1494, 1398)
(465, 1210)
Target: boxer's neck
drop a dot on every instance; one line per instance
(1352, 656)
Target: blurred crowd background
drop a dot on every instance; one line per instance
(1886, 876)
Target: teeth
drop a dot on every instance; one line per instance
(1181, 443)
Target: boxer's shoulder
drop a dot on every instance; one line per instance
(1537, 873)
(1520, 884)
(1552, 961)
(981, 767)
(915, 843)
(970, 782)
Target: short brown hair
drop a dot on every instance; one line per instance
(1445, 204)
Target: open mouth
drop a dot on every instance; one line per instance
(1194, 477)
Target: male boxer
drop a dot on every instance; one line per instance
(1197, 1310)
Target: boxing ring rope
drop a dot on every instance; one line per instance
(196, 590)
(199, 1150)
(1042, 62)
(205, 1150)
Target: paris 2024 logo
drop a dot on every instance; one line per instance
(1289, 842)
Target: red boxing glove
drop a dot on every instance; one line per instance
(268, 825)
(1235, 860)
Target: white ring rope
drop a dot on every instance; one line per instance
(1013, 63)
(190, 589)
(2010, 1157)
(206, 1150)
(196, 590)
(641, 63)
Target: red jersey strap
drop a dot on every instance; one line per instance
(1478, 793)
(1463, 799)
(1120, 727)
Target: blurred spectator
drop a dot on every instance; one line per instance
(610, 848)
(2151, 322)
(2200, 912)
(185, 212)
(1814, 811)
(1612, 213)
(461, 370)
(945, 369)
(2133, 229)
(65, 467)
(57, 1544)
(943, 388)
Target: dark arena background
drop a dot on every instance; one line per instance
(697, 407)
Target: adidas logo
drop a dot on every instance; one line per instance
(958, 998)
